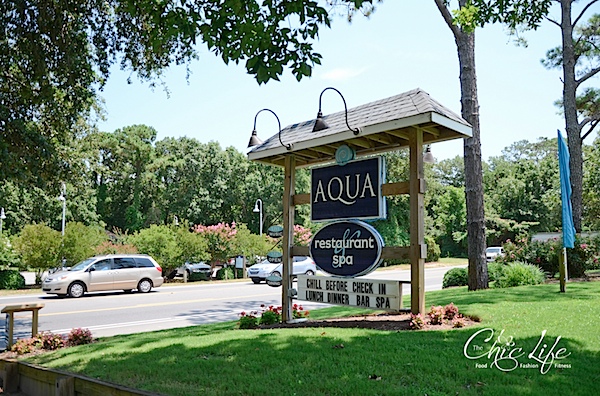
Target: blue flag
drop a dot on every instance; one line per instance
(565, 193)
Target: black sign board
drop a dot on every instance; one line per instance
(347, 248)
(352, 191)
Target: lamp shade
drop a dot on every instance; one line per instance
(254, 140)
(320, 123)
(428, 157)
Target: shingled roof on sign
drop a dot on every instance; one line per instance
(385, 125)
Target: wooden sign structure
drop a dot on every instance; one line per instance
(411, 119)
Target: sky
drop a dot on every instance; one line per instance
(403, 45)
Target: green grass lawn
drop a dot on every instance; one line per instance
(220, 360)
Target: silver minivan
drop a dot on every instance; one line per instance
(110, 272)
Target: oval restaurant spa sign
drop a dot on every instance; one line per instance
(347, 248)
(351, 191)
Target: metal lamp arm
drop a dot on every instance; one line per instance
(287, 146)
(355, 130)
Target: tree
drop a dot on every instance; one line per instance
(450, 221)
(38, 246)
(55, 55)
(591, 187)
(160, 242)
(462, 23)
(579, 58)
(80, 242)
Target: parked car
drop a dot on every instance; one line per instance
(302, 265)
(196, 268)
(492, 252)
(102, 273)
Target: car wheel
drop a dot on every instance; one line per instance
(256, 280)
(276, 273)
(76, 289)
(144, 286)
(309, 273)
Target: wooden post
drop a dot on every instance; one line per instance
(562, 270)
(417, 226)
(10, 311)
(289, 183)
(11, 377)
(65, 386)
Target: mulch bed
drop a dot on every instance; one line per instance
(385, 321)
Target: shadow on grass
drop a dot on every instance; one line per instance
(217, 360)
(329, 362)
(538, 293)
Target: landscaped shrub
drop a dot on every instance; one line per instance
(11, 280)
(50, 342)
(519, 274)
(225, 273)
(436, 315)
(268, 316)
(416, 322)
(433, 249)
(456, 277)
(495, 270)
(79, 336)
(248, 320)
(197, 276)
(26, 345)
(584, 255)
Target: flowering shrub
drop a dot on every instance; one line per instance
(582, 257)
(302, 235)
(219, 237)
(268, 316)
(450, 311)
(458, 322)
(416, 322)
(436, 315)
(298, 312)
(79, 336)
(50, 342)
(26, 345)
(248, 320)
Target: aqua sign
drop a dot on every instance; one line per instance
(351, 191)
(347, 248)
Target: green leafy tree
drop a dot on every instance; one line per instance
(249, 245)
(160, 242)
(591, 187)
(462, 22)
(450, 221)
(54, 56)
(193, 246)
(80, 242)
(579, 58)
(8, 256)
(39, 246)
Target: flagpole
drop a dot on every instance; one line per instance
(562, 268)
(567, 213)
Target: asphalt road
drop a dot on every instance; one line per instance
(107, 314)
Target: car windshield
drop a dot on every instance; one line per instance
(494, 250)
(82, 265)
